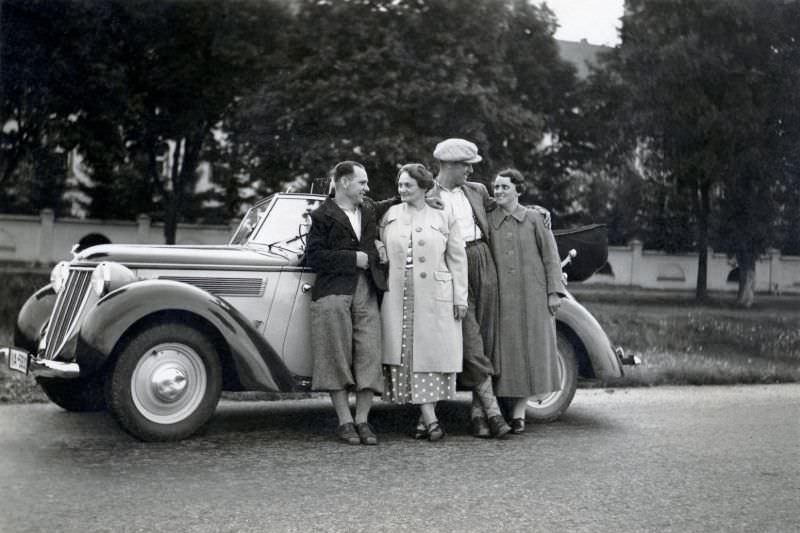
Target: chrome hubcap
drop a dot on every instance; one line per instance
(168, 383)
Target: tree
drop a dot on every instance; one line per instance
(696, 76)
(764, 136)
(35, 105)
(137, 86)
(383, 81)
(179, 68)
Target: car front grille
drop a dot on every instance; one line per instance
(68, 306)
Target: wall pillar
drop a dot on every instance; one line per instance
(47, 219)
(636, 262)
(775, 273)
(143, 230)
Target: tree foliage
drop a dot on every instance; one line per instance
(182, 68)
(383, 81)
(38, 68)
(708, 86)
(139, 88)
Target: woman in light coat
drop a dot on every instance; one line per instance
(530, 282)
(425, 301)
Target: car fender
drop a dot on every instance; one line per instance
(596, 344)
(257, 364)
(32, 317)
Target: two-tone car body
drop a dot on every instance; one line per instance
(156, 333)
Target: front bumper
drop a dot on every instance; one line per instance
(18, 360)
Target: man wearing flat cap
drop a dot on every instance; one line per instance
(467, 202)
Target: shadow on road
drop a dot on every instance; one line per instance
(318, 418)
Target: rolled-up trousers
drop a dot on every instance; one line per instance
(478, 327)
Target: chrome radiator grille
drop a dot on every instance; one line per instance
(69, 303)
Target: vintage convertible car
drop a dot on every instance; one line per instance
(156, 333)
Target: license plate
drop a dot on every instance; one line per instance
(17, 359)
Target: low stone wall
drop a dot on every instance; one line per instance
(44, 240)
(632, 266)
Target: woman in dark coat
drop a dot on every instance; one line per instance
(530, 282)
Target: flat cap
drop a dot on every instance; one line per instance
(457, 151)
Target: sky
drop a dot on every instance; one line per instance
(594, 20)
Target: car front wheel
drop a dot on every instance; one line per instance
(166, 383)
(552, 406)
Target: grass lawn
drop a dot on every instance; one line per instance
(679, 340)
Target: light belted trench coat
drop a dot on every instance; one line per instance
(440, 282)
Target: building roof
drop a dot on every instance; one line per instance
(580, 54)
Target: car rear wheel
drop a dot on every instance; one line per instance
(553, 405)
(81, 395)
(166, 383)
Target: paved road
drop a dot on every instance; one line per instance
(662, 459)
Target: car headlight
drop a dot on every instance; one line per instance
(59, 275)
(108, 277)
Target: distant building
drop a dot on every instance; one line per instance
(581, 54)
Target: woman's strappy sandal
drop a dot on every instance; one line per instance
(435, 431)
(420, 431)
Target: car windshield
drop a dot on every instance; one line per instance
(288, 220)
(250, 222)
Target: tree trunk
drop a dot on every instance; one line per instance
(170, 223)
(172, 204)
(747, 280)
(702, 208)
(184, 178)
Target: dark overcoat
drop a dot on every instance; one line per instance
(331, 250)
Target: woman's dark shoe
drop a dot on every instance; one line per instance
(420, 431)
(347, 433)
(367, 435)
(480, 428)
(435, 431)
(518, 426)
(498, 426)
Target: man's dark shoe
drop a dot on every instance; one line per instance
(368, 436)
(347, 433)
(480, 428)
(518, 426)
(498, 426)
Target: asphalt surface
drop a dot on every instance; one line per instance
(660, 459)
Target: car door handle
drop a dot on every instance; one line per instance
(305, 287)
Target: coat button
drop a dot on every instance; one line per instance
(421, 242)
(421, 259)
(418, 229)
(423, 275)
